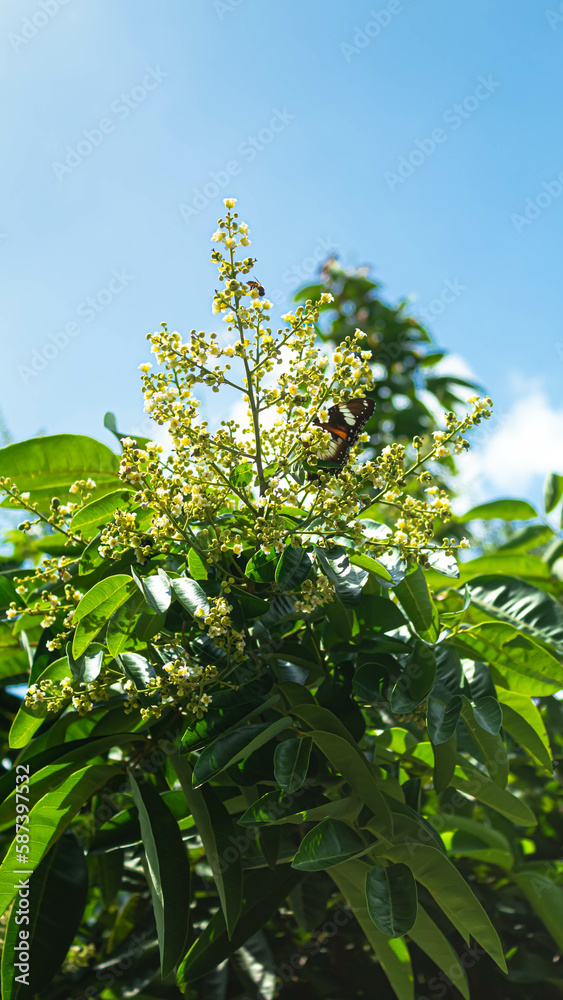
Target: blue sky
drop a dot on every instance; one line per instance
(116, 115)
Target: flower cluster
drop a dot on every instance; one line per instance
(227, 495)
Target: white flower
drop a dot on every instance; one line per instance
(24, 497)
(229, 202)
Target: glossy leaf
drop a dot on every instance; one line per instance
(291, 761)
(522, 720)
(294, 566)
(190, 595)
(96, 608)
(391, 899)
(91, 518)
(57, 896)
(49, 818)
(391, 953)
(491, 747)
(519, 604)
(452, 893)
(137, 668)
(122, 623)
(47, 467)
(521, 663)
(168, 873)
(329, 843)
(87, 667)
(155, 589)
(442, 719)
(414, 597)
(233, 746)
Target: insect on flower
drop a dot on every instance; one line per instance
(345, 424)
(256, 285)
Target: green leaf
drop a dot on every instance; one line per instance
(519, 604)
(522, 720)
(198, 569)
(327, 844)
(443, 563)
(190, 595)
(415, 681)
(294, 566)
(28, 720)
(491, 747)
(392, 953)
(49, 817)
(291, 762)
(96, 608)
(261, 567)
(506, 510)
(538, 882)
(473, 782)
(58, 892)
(488, 714)
(168, 873)
(519, 662)
(235, 745)
(349, 580)
(122, 623)
(345, 757)
(218, 834)
(264, 891)
(7, 593)
(414, 597)
(279, 807)
(91, 518)
(137, 668)
(87, 667)
(552, 491)
(445, 755)
(47, 467)
(450, 890)
(428, 936)
(442, 719)
(155, 589)
(392, 900)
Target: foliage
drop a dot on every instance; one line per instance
(266, 708)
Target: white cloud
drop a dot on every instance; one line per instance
(515, 449)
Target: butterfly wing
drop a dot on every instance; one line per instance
(345, 424)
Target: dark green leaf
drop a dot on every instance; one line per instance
(391, 899)
(291, 761)
(414, 597)
(293, 567)
(520, 604)
(57, 896)
(91, 518)
(488, 714)
(168, 871)
(442, 719)
(231, 747)
(328, 844)
(137, 668)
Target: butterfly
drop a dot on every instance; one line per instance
(256, 285)
(345, 424)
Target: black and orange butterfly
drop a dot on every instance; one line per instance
(256, 285)
(345, 424)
